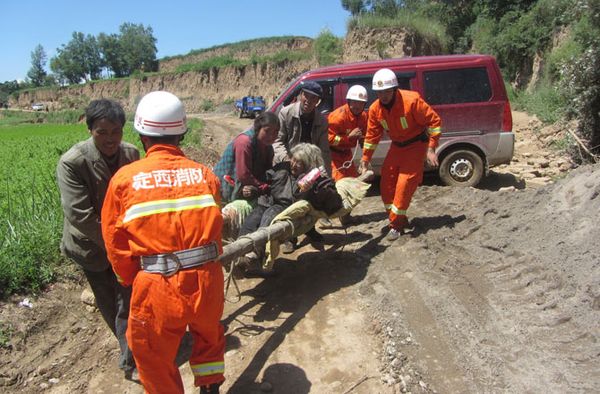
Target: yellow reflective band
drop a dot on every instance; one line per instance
(368, 146)
(162, 206)
(337, 140)
(397, 211)
(404, 122)
(434, 130)
(384, 124)
(217, 367)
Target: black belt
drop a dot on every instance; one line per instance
(423, 137)
(338, 150)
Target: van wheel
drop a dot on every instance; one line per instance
(461, 168)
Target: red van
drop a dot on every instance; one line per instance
(467, 91)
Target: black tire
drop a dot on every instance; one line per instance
(461, 167)
(241, 114)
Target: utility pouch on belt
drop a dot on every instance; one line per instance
(423, 137)
(169, 263)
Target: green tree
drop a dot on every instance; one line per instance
(37, 74)
(6, 89)
(385, 7)
(496, 9)
(79, 60)
(138, 47)
(66, 68)
(112, 54)
(354, 7)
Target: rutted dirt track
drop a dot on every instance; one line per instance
(497, 289)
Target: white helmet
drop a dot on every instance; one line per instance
(357, 93)
(160, 114)
(384, 79)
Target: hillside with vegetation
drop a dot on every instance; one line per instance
(548, 51)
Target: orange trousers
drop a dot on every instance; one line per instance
(337, 162)
(162, 308)
(401, 174)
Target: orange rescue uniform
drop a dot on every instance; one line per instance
(166, 203)
(341, 122)
(402, 170)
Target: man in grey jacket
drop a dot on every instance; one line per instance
(83, 174)
(302, 122)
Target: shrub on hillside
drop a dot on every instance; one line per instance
(515, 37)
(213, 62)
(581, 82)
(430, 30)
(328, 48)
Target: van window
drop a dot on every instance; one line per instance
(464, 85)
(326, 104)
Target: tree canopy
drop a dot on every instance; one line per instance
(37, 73)
(86, 56)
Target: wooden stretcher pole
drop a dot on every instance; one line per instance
(280, 231)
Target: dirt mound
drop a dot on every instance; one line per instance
(381, 43)
(498, 291)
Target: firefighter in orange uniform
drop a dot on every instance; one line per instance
(414, 128)
(346, 126)
(161, 222)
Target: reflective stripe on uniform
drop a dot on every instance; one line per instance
(161, 206)
(434, 131)
(369, 146)
(398, 211)
(119, 279)
(404, 122)
(384, 124)
(217, 367)
(392, 207)
(337, 140)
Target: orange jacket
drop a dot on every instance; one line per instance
(341, 122)
(160, 204)
(409, 116)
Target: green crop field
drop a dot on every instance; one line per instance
(30, 212)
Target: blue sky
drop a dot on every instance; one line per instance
(179, 25)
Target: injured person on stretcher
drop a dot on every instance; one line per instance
(299, 188)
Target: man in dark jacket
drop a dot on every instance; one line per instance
(302, 122)
(83, 174)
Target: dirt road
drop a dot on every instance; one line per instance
(497, 290)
